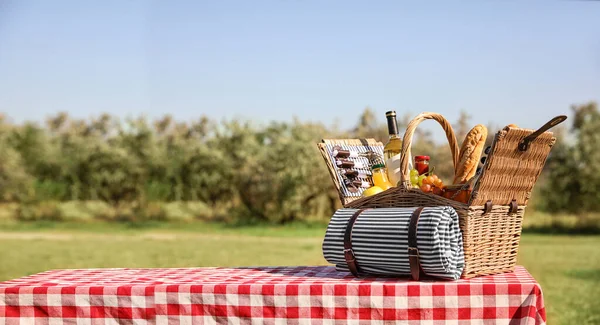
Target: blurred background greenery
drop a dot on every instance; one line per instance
(239, 172)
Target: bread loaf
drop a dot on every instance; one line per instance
(470, 153)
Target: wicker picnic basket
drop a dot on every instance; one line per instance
(491, 220)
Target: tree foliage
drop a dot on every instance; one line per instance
(573, 169)
(237, 168)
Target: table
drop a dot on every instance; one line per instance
(264, 295)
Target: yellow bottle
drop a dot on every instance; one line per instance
(380, 177)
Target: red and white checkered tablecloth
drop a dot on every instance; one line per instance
(264, 295)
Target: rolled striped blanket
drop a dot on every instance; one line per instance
(380, 241)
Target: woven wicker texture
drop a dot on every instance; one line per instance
(510, 173)
(491, 238)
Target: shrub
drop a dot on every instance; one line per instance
(152, 211)
(42, 211)
(99, 210)
(74, 211)
(188, 211)
(9, 211)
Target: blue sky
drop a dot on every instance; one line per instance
(502, 61)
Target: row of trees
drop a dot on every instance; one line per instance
(268, 172)
(572, 175)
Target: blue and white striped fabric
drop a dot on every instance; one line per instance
(380, 241)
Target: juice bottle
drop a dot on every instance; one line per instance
(422, 164)
(380, 177)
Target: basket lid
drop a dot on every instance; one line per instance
(509, 173)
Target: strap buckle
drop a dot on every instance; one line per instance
(413, 251)
(349, 255)
(513, 206)
(487, 207)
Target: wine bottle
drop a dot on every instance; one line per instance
(394, 144)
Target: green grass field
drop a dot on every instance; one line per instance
(568, 268)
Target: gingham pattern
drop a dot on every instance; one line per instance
(380, 241)
(266, 295)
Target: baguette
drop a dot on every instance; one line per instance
(470, 153)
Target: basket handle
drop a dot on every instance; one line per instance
(407, 142)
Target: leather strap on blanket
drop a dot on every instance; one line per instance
(348, 252)
(413, 251)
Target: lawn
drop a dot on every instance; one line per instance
(568, 268)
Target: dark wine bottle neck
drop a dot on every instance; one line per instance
(392, 125)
